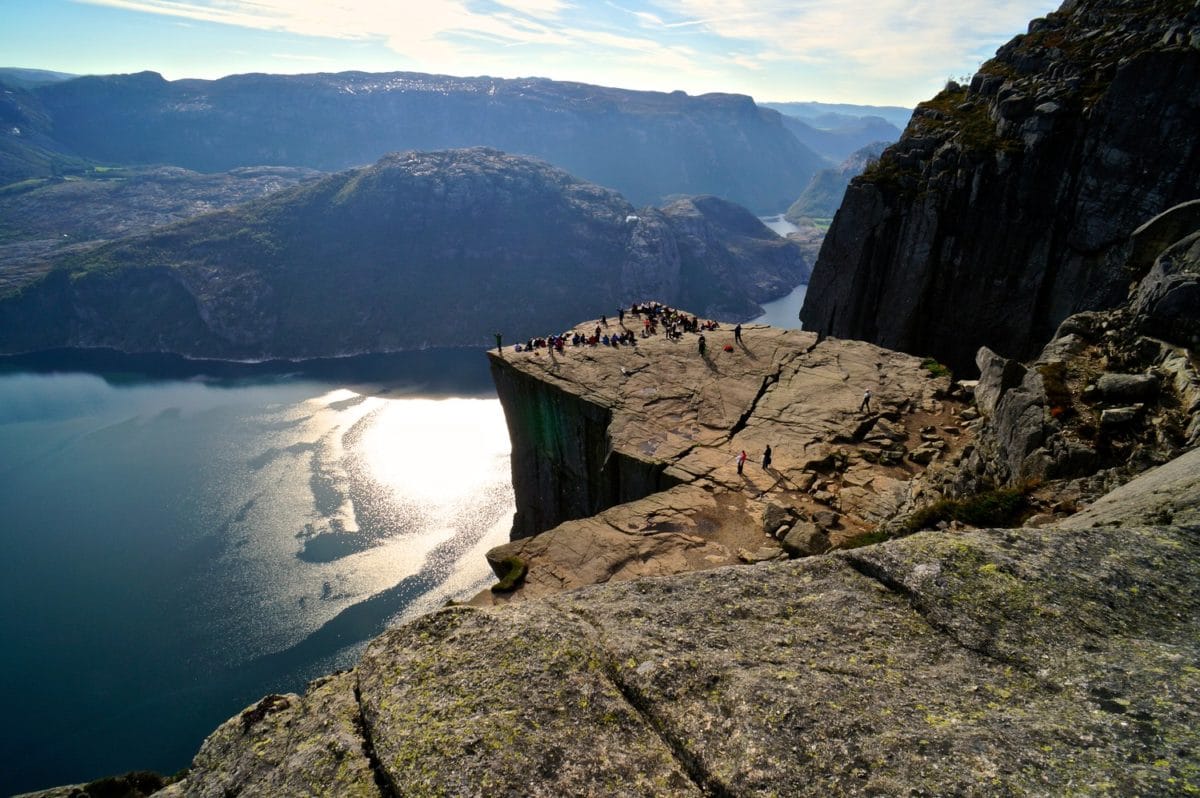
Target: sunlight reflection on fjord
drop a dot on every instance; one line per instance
(437, 452)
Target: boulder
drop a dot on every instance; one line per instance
(1117, 416)
(1167, 297)
(774, 516)
(1127, 387)
(996, 376)
(806, 539)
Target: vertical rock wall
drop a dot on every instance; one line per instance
(1006, 205)
(563, 466)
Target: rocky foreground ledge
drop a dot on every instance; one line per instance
(1054, 661)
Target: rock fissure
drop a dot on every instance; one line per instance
(689, 762)
(744, 418)
(383, 780)
(872, 571)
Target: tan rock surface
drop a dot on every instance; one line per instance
(668, 406)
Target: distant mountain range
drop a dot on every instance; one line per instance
(420, 249)
(650, 146)
(823, 195)
(828, 116)
(837, 135)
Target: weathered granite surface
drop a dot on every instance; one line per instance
(1055, 661)
(625, 459)
(1006, 205)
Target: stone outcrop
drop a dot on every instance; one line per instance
(1007, 204)
(1114, 392)
(995, 661)
(419, 250)
(625, 459)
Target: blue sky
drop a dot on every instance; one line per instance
(881, 52)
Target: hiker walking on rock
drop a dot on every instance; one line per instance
(737, 333)
(741, 460)
(702, 345)
(767, 458)
(865, 407)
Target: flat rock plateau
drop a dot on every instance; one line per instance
(625, 458)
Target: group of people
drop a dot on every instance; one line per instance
(653, 315)
(559, 342)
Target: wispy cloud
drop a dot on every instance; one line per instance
(715, 44)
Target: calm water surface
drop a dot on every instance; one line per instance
(784, 312)
(176, 546)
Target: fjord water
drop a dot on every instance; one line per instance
(784, 312)
(175, 547)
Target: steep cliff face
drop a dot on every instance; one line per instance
(421, 249)
(563, 464)
(597, 427)
(1005, 206)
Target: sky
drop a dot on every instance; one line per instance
(876, 52)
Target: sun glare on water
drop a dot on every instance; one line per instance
(438, 452)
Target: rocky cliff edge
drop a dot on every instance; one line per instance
(984, 662)
(1007, 204)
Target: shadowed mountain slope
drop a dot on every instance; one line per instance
(1007, 205)
(421, 249)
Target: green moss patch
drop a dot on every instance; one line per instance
(993, 508)
(514, 574)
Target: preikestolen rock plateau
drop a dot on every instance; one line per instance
(625, 458)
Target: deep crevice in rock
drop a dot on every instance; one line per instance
(873, 572)
(744, 419)
(387, 788)
(689, 762)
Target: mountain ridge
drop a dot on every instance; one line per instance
(1009, 200)
(647, 145)
(418, 250)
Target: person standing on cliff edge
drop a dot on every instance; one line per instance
(499, 349)
(737, 333)
(767, 458)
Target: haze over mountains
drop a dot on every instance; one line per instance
(837, 131)
(650, 146)
(88, 161)
(647, 145)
